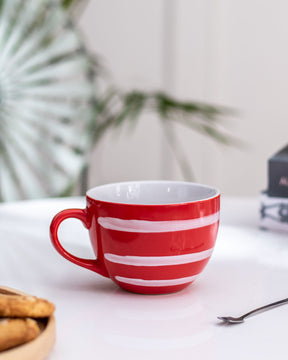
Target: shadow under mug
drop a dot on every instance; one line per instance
(149, 237)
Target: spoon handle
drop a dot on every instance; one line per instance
(265, 307)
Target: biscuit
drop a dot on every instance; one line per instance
(25, 306)
(17, 331)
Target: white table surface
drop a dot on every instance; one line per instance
(96, 319)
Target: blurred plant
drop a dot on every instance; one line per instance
(114, 108)
(72, 119)
(46, 99)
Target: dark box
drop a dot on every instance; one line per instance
(273, 213)
(278, 174)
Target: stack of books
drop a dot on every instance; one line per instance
(274, 201)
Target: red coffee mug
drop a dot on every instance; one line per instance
(149, 237)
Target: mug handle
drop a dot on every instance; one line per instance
(91, 264)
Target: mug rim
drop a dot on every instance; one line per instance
(173, 182)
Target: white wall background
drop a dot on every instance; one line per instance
(227, 52)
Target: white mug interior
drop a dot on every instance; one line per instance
(152, 192)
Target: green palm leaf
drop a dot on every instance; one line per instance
(46, 92)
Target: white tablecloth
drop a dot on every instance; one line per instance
(96, 319)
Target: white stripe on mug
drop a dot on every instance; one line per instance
(147, 226)
(159, 260)
(156, 283)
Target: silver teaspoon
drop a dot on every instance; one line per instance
(240, 319)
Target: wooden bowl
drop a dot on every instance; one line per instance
(36, 349)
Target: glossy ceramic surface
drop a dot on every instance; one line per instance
(149, 237)
(248, 269)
